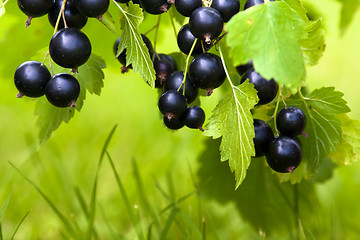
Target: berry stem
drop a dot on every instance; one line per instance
(156, 34)
(276, 109)
(187, 65)
(59, 16)
(172, 22)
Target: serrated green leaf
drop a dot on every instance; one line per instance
(348, 11)
(233, 121)
(137, 53)
(314, 45)
(90, 78)
(109, 22)
(349, 150)
(297, 5)
(323, 128)
(269, 34)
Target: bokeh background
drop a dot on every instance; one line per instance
(157, 166)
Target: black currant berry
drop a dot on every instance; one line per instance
(250, 3)
(31, 78)
(172, 104)
(174, 124)
(291, 121)
(186, 7)
(155, 6)
(194, 117)
(34, 8)
(62, 90)
(70, 48)
(284, 154)
(267, 90)
(297, 140)
(263, 136)
(174, 81)
(227, 8)
(206, 71)
(206, 23)
(185, 40)
(241, 69)
(74, 19)
(162, 69)
(93, 8)
(169, 59)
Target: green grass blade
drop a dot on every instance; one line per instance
(168, 223)
(48, 201)
(2, 211)
(164, 193)
(191, 225)
(18, 226)
(91, 216)
(82, 203)
(134, 220)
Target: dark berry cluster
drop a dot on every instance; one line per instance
(283, 153)
(69, 48)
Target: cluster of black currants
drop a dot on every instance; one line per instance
(69, 48)
(283, 153)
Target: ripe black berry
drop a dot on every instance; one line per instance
(155, 6)
(186, 7)
(93, 8)
(62, 90)
(194, 117)
(172, 104)
(169, 59)
(284, 154)
(206, 71)
(74, 19)
(250, 3)
(70, 48)
(227, 8)
(34, 8)
(162, 69)
(263, 136)
(185, 40)
(31, 78)
(241, 69)
(174, 124)
(174, 81)
(206, 23)
(267, 90)
(291, 121)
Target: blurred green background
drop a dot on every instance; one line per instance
(158, 166)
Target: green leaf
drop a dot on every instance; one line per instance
(323, 128)
(233, 121)
(2, 7)
(137, 53)
(348, 11)
(297, 5)
(90, 78)
(349, 150)
(269, 35)
(314, 45)
(109, 22)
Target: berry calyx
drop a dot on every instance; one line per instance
(174, 81)
(226, 8)
(263, 136)
(267, 89)
(206, 23)
(284, 154)
(155, 6)
(93, 8)
(173, 124)
(34, 8)
(172, 104)
(62, 90)
(186, 7)
(70, 48)
(73, 18)
(194, 117)
(162, 69)
(207, 72)
(31, 78)
(185, 40)
(291, 121)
